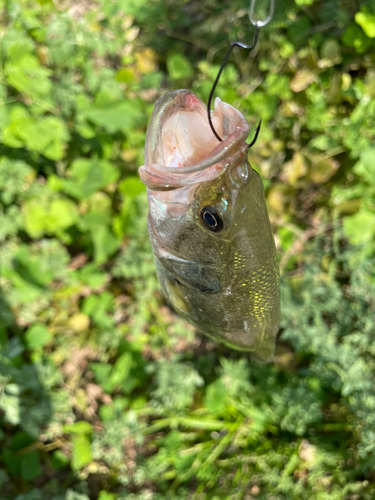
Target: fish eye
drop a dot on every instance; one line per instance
(212, 219)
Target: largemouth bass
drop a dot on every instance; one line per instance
(208, 223)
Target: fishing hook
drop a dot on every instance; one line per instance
(257, 24)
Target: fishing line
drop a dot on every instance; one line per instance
(258, 24)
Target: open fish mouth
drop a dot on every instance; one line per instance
(181, 148)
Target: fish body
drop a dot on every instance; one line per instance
(208, 223)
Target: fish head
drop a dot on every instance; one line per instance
(189, 173)
(206, 210)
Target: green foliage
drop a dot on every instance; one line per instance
(37, 336)
(105, 393)
(179, 67)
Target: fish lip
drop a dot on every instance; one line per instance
(233, 145)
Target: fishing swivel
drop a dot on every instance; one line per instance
(258, 24)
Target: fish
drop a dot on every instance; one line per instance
(208, 224)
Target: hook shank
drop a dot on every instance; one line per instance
(257, 24)
(223, 64)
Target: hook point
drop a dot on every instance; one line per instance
(257, 130)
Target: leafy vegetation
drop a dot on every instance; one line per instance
(104, 393)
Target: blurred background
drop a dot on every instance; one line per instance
(104, 392)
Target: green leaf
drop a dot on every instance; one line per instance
(132, 186)
(301, 3)
(101, 372)
(359, 228)
(34, 215)
(263, 104)
(12, 461)
(86, 177)
(59, 460)
(51, 216)
(365, 167)
(105, 242)
(215, 396)
(122, 116)
(80, 428)
(27, 76)
(179, 67)
(120, 371)
(37, 336)
(47, 135)
(91, 276)
(62, 214)
(81, 454)
(355, 37)
(366, 22)
(287, 237)
(10, 404)
(126, 75)
(18, 118)
(104, 495)
(30, 466)
(17, 48)
(322, 142)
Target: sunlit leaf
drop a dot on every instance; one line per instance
(86, 177)
(367, 23)
(81, 454)
(360, 228)
(80, 428)
(117, 117)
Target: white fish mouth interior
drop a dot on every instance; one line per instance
(187, 138)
